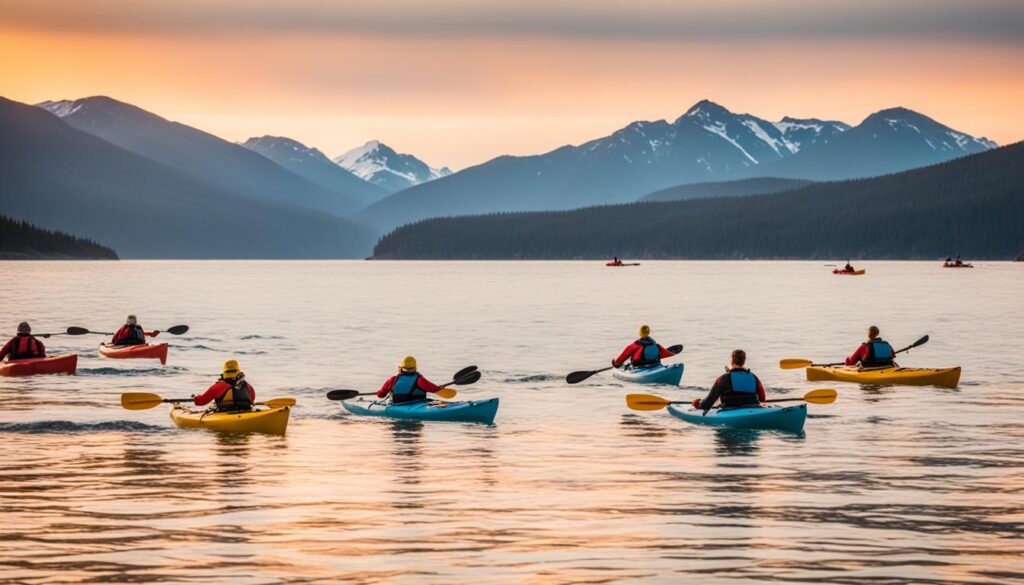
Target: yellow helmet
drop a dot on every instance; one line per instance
(645, 331)
(408, 364)
(230, 370)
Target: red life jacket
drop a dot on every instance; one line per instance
(24, 347)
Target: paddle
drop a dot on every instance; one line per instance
(145, 401)
(577, 377)
(794, 363)
(176, 330)
(651, 402)
(463, 377)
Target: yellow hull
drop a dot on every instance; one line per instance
(273, 420)
(948, 377)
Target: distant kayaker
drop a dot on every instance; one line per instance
(643, 352)
(848, 267)
(231, 392)
(131, 333)
(958, 261)
(408, 385)
(737, 387)
(873, 353)
(23, 346)
(616, 261)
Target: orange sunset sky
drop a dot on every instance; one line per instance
(457, 83)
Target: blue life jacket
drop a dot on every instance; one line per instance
(743, 382)
(648, 355)
(880, 353)
(405, 389)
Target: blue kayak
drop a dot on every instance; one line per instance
(478, 411)
(786, 418)
(660, 374)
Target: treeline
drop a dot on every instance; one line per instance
(20, 240)
(973, 206)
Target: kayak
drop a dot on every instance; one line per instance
(126, 352)
(849, 272)
(477, 411)
(58, 364)
(660, 374)
(786, 418)
(623, 264)
(948, 377)
(273, 421)
(960, 266)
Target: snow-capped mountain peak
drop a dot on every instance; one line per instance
(61, 108)
(804, 132)
(279, 146)
(378, 163)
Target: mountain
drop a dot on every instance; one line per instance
(381, 165)
(312, 165)
(885, 142)
(756, 186)
(707, 143)
(973, 205)
(195, 152)
(20, 240)
(62, 178)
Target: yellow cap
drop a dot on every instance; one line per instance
(408, 364)
(230, 369)
(645, 330)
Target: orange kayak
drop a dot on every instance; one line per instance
(58, 364)
(128, 352)
(850, 272)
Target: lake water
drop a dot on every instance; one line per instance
(886, 485)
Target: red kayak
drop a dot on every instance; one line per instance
(129, 352)
(958, 265)
(849, 272)
(59, 364)
(623, 264)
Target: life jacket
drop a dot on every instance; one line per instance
(136, 336)
(24, 347)
(738, 387)
(405, 388)
(880, 353)
(237, 397)
(648, 354)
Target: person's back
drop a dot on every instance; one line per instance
(230, 393)
(645, 352)
(737, 387)
(131, 333)
(408, 385)
(873, 353)
(23, 346)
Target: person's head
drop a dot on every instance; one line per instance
(131, 320)
(24, 327)
(408, 365)
(739, 358)
(231, 370)
(645, 331)
(873, 332)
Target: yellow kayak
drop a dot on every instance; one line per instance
(272, 420)
(948, 377)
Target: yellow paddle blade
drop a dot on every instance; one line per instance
(140, 400)
(792, 364)
(646, 402)
(278, 402)
(822, 396)
(447, 393)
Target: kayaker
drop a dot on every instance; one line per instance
(643, 352)
(873, 353)
(848, 267)
(737, 387)
(958, 261)
(616, 261)
(23, 346)
(949, 261)
(131, 333)
(231, 392)
(407, 385)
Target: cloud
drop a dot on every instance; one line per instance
(734, 21)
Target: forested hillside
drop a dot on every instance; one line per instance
(20, 240)
(972, 206)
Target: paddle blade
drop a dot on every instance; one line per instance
(463, 372)
(279, 402)
(140, 400)
(792, 364)
(178, 329)
(646, 402)
(342, 394)
(471, 378)
(822, 396)
(577, 377)
(446, 393)
(675, 348)
(77, 331)
(921, 341)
